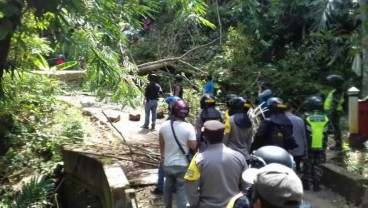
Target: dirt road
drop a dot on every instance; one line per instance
(133, 134)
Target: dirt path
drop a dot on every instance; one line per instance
(110, 138)
(145, 142)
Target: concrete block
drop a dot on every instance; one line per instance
(365, 198)
(350, 185)
(107, 182)
(117, 183)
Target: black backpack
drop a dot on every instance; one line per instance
(206, 115)
(282, 136)
(210, 114)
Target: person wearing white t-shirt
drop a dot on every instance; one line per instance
(175, 162)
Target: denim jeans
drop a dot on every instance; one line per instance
(150, 107)
(175, 174)
(161, 177)
(160, 181)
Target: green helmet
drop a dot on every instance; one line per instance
(314, 103)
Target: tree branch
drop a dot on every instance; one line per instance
(144, 68)
(191, 66)
(196, 48)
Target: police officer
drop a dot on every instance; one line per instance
(209, 112)
(317, 127)
(214, 175)
(259, 159)
(276, 129)
(333, 106)
(227, 115)
(239, 134)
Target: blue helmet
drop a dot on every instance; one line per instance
(171, 99)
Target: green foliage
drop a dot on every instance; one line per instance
(192, 98)
(355, 162)
(192, 11)
(92, 31)
(41, 126)
(275, 41)
(35, 193)
(42, 64)
(144, 51)
(28, 93)
(9, 12)
(27, 44)
(234, 68)
(321, 54)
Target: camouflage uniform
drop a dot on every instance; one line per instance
(317, 128)
(333, 106)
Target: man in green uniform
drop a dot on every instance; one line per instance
(317, 130)
(333, 106)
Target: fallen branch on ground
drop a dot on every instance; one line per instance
(118, 157)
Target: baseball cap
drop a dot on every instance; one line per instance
(277, 184)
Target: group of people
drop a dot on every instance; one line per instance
(225, 170)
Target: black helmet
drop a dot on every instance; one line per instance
(267, 84)
(178, 78)
(271, 154)
(228, 97)
(239, 104)
(152, 78)
(275, 103)
(207, 101)
(335, 80)
(180, 109)
(314, 103)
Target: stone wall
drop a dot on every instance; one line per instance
(350, 185)
(103, 184)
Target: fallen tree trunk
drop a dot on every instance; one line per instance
(144, 68)
(148, 67)
(171, 62)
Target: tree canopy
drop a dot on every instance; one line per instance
(239, 42)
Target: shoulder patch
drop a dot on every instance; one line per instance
(193, 172)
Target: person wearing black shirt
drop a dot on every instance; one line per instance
(152, 92)
(178, 87)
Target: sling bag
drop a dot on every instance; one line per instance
(189, 155)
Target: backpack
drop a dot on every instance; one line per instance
(282, 136)
(206, 115)
(210, 114)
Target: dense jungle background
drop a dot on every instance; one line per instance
(294, 44)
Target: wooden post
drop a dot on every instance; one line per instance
(353, 93)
